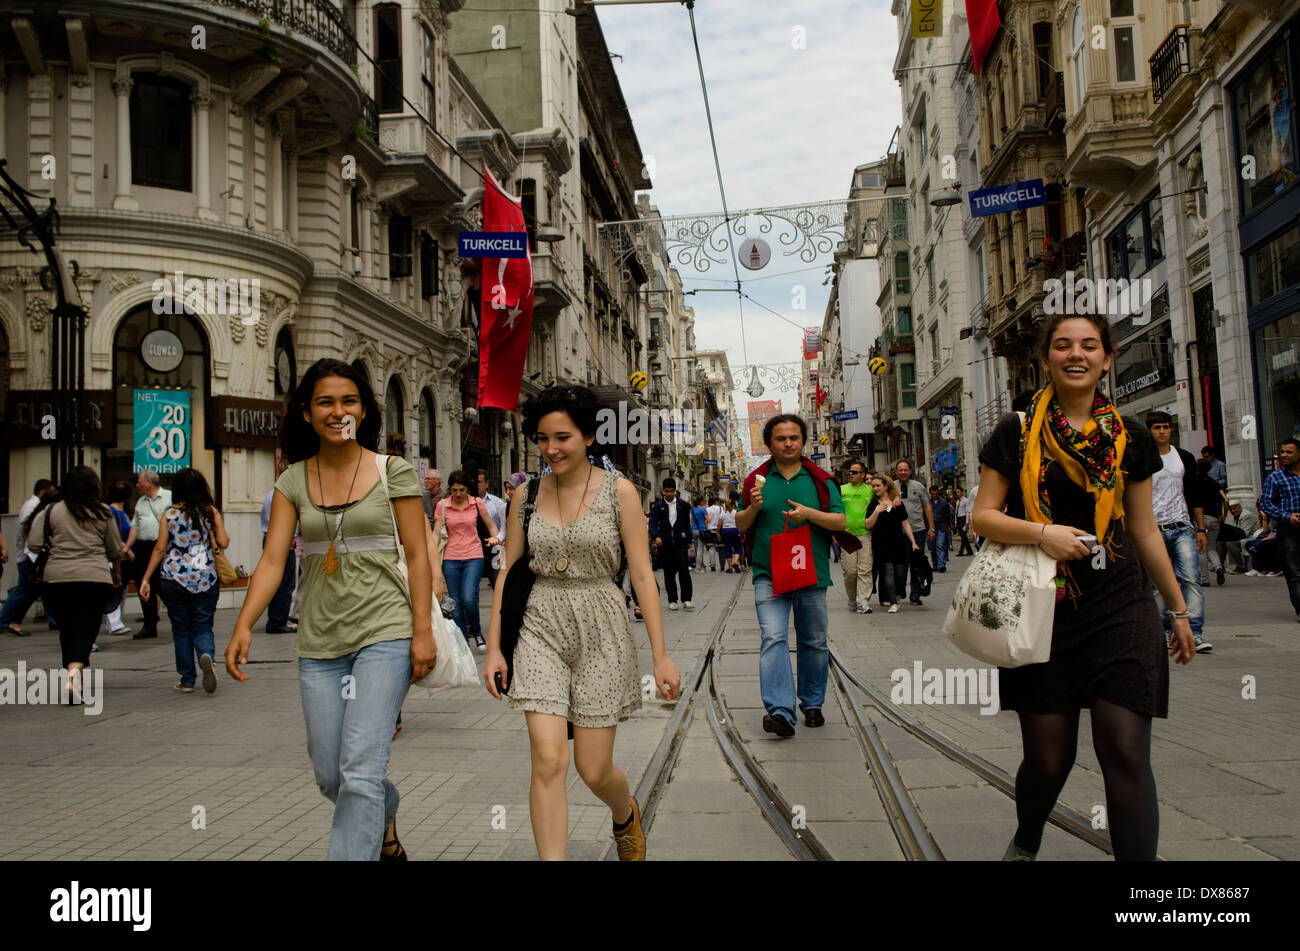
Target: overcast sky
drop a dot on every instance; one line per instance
(791, 126)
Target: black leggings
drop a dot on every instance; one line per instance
(1122, 742)
(81, 611)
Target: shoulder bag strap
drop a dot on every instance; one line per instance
(381, 463)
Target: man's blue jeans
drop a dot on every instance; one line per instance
(350, 704)
(22, 595)
(939, 549)
(1181, 545)
(775, 679)
(191, 616)
(463, 577)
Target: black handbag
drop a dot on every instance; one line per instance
(923, 572)
(43, 556)
(514, 593)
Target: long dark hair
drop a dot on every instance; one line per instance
(80, 491)
(122, 492)
(298, 440)
(190, 494)
(48, 498)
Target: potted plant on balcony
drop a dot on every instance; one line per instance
(1051, 249)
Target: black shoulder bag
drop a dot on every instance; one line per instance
(42, 556)
(514, 593)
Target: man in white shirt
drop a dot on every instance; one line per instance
(496, 509)
(22, 594)
(1181, 521)
(713, 523)
(149, 509)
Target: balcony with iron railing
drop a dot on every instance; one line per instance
(988, 415)
(1172, 60)
(979, 317)
(319, 20)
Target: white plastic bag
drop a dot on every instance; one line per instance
(1004, 606)
(455, 665)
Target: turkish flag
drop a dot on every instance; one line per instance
(821, 396)
(506, 316)
(983, 21)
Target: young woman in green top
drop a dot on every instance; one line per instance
(364, 633)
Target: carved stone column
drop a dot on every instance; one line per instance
(122, 86)
(203, 144)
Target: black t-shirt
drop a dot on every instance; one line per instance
(887, 537)
(1071, 505)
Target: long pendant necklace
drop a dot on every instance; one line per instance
(330, 563)
(562, 563)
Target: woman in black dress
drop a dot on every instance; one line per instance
(1074, 468)
(892, 542)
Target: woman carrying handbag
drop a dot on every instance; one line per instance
(575, 658)
(1074, 469)
(188, 582)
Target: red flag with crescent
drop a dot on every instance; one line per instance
(506, 316)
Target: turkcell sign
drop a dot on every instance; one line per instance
(493, 244)
(845, 415)
(818, 455)
(710, 463)
(1013, 197)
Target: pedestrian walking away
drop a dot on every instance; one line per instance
(120, 494)
(944, 519)
(147, 522)
(788, 487)
(700, 532)
(894, 541)
(858, 566)
(1073, 469)
(713, 522)
(575, 658)
(462, 556)
(670, 534)
(365, 630)
(83, 566)
(1280, 501)
(730, 534)
(186, 561)
(964, 505)
(24, 593)
(1176, 499)
(916, 501)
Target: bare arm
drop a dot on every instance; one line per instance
(514, 551)
(409, 512)
(490, 525)
(911, 537)
(745, 517)
(636, 542)
(988, 519)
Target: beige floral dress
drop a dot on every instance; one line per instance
(575, 657)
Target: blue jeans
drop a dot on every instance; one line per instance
(775, 679)
(1181, 545)
(21, 596)
(939, 548)
(191, 616)
(463, 577)
(350, 704)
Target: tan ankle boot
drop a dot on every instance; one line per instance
(631, 841)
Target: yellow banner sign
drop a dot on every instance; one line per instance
(927, 19)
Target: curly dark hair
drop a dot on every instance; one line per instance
(578, 402)
(461, 477)
(298, 440)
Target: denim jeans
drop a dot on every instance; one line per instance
(1288, 543)
(277, 614)
(191, 616)
(21, 596)
(1181, 545)
(893, 581)
(463, 577)
(939, 548)
(350, 704)
(775, 679)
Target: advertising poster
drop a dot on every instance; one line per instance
(760, 411)
(161, 424)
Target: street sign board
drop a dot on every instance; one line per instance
(492, 244)
(845, 415)
(1010, 197)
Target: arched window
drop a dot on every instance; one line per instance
(1078, 63)
(395, 418)
(428, 429)
(162, 390)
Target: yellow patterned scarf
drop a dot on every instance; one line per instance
(1091, 457)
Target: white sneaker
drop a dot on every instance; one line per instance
(688, 605)
(673, 605)
(1252, 573)
(893, 608)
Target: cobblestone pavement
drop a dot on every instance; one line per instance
(128, 782)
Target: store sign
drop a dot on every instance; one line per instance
(493, 244)
(162, 351)
(29, 414)
(161, 424)
(1285, 360)
(844, 415)
(1012, 197)
(754, 254)
(710, 463)
(818, 455)
(245, 423)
